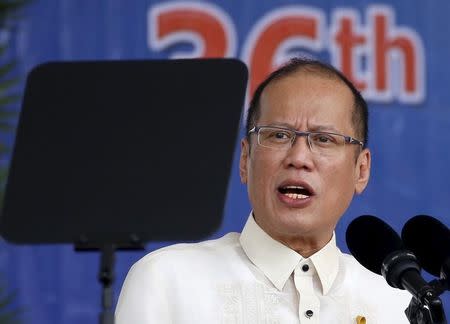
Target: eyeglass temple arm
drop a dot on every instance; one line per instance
(352, 140)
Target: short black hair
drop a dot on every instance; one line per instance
(360, 114)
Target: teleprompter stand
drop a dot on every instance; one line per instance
(106, 275)
(110, 155)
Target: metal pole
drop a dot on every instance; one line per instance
(106, 277)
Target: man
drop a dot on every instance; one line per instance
(303, 159)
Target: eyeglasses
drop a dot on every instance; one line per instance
(319, 142)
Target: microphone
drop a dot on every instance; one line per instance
(429, 239)
(380, 249)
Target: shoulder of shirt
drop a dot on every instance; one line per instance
(183, 251)
(374, 284)
(360, 273)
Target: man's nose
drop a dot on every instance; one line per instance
(300, 155)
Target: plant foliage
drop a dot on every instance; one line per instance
(9, 99)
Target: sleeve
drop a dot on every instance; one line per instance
(143, 298)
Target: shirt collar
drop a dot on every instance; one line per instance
(277, 261)
(326, 262)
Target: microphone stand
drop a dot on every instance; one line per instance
(427, 307)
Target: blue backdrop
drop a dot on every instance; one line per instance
(395, 51)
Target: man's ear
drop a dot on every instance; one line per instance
(362, 172)
(245, 146)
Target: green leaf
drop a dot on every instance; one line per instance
(8, 314)
(7, 68)
(6, 7)
(3, 176)
(9, 83)
(7, 128)
(6, 100)
(5, 114)
(3, 49)
(10, 317)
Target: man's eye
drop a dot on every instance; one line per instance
(281, 135)
(323, 139)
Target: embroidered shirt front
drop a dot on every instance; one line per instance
(251, 278)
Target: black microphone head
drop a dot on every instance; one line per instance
(370, 241)
(429, 240)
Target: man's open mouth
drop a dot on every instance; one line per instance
(295, 192)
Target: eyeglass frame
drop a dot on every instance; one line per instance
(347, 139)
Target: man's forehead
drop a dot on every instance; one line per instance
(307, 73)
(307, 91)
(301, 82)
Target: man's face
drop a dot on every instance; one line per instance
(306, 102)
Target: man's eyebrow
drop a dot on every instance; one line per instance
(313, 128)
(324, 128)
(283, 125)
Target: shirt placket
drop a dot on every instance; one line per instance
(309, 305)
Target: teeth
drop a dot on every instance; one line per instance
(294, 187)
(296, 196)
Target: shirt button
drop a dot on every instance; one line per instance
(305, 267)
(309, 313)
